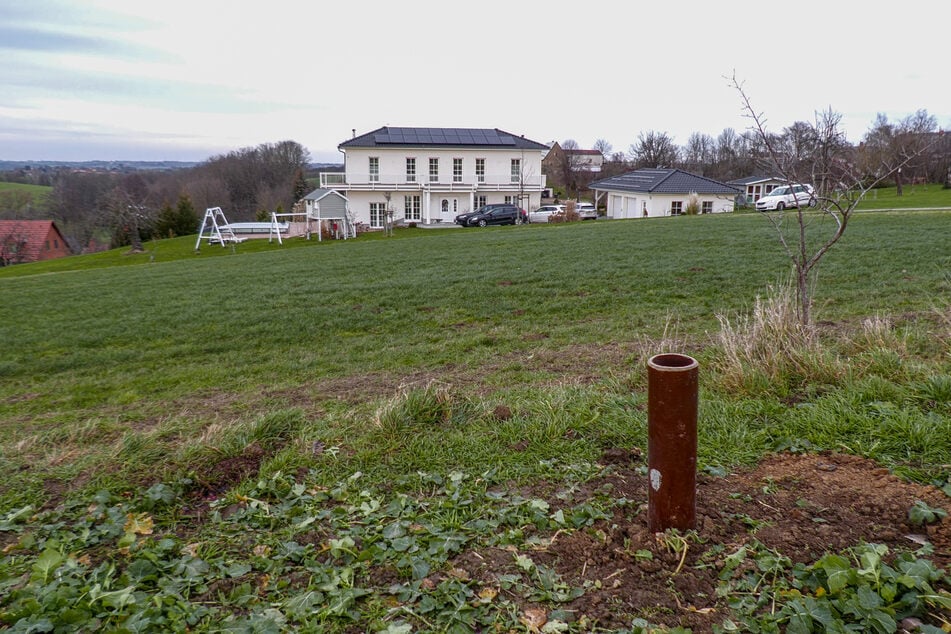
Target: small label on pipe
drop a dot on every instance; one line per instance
(655, 479)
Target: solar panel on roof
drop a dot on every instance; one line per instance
(442, 136)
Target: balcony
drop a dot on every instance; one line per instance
(398, 182)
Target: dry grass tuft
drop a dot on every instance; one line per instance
(426, 406)
(770, 345)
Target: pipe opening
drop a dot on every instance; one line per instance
(672, 361)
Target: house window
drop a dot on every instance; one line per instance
(377, 214)
(480, 202)
(412, 207)
(434, 170)
(457, 170)
(516, 170)
(706, 207)
(508, 200)
(676, 207)
(480, 170)
(410, 170)
(46, 245)
(374, 169)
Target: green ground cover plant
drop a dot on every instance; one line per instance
(308, 437)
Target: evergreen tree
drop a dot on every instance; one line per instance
(180, 221)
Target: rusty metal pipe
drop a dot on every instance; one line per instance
(672, 383)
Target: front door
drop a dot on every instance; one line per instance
(448, 209)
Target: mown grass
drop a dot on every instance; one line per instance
(439, 364)
(913, 197)
(147, 346)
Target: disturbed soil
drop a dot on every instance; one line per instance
(800, 506)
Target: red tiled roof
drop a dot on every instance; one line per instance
(26, 240)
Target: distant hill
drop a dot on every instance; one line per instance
(120, 166)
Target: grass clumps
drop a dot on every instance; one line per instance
(770, 351)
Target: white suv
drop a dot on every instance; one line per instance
(586, 211)
(787, 196)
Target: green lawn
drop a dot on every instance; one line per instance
(377, 367)
(913, 197)
(126, 344)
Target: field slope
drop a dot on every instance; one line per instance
(262, 439)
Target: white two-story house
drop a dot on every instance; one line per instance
(429, 175)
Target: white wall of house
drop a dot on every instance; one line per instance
(639, 205)
(392, 164)
(441, 197)
(441, 207)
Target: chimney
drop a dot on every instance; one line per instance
(353, 131)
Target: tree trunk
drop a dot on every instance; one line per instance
(805, 301)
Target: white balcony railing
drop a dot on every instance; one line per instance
(367, 181)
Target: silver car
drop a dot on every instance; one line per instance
(586, 211)
(543, 213)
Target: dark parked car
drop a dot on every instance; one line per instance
(496, 214)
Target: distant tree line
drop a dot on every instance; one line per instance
(732, 155)
(128, 208)
(132, 206)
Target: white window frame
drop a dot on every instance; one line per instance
(480, 170)
(377, 214)
(433, 170)
(480, 201)
(410, 169)
(706, 207)
(412, 208)
(516, 170)
(457, 170)
(374, 169)
(676, 208)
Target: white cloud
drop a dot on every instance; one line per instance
(202, 77)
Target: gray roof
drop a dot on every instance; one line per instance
(319, 193)
(389, 136)
(663, 181)
(749, 180)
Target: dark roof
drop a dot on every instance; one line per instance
(663, 181)
(388, 136)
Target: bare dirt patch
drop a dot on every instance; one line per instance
(801, 506)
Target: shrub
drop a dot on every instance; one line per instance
(693, 204)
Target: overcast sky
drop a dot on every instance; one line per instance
(175, 80)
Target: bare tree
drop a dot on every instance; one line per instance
(908, 143)
(13, 242)
(840, 188)
(78, 202)
(131, 213)
(654, 149)
(602, 146)
(698, 153)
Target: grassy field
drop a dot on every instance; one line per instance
(410, 363)
(913, 197)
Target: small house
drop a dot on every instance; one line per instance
(752, 188)
(24, 241)
(652, 192)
